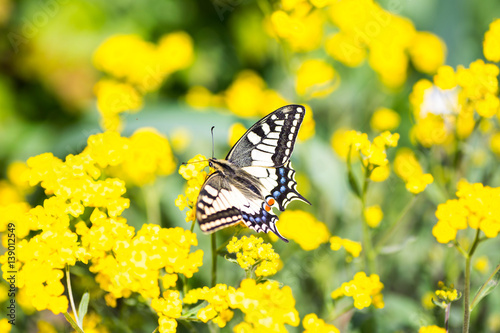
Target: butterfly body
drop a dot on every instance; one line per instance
(255, 176)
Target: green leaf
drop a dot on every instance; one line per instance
(486, 288)
(353, 184)
(72, 323)
(82, 308)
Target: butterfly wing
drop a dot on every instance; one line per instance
(223, 202)
(270, 142)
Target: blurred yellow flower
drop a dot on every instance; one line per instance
(352, 247)
(431, 329)
(363, 289)
(236, 131)
(373, 215)
(427, 52)
(199, 97)
(495, 143)
(344, 48)
(380, 173)
(427, 300)
(340, 142)
(307, 129)
(168, 307)
(303, 228)
(482, 264)
(316, 78)
(175, 52)
(491, 43)
(406, 166)
(384, 119)
(313, 324)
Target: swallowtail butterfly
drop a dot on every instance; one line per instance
(255, 176)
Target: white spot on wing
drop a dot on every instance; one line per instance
(261, 156)
(269, 149)
(212, 191)
(266, 128)
(279, 122)
(273, 135)
(253, 138)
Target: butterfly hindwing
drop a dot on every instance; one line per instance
(270, 142)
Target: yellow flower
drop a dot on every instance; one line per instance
(199, 97)
(217, 309)
(175, 52)
(344, 48)
(384, 119)
(114, 97)
(316, 78)
(495, 143)
(253, 254)
(193, 172)
(5, 326)
(245, 94)
(303, 228)
(373, 215)
(491, 43)
(363, 289)
(341, 142)
(302, 32)
(307, 129)
(446, 294)
(235, 133)
(407, 168)
(476, 207)
(445, 78)
(381, 173)
(313, 324)
(266, 306)
(427, 52)
(168, 308)
(352, 247)
(482, 264)
(427, 300)
(431, 329)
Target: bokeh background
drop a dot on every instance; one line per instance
(73, 69)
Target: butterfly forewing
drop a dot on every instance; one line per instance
(256, 175)
(270, 142)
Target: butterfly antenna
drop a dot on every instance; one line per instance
(213, 149)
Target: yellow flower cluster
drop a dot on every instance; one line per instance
(16, 186)
(137, 160)
(367, 30)
(352, 247)
(313, 324)
(267, 308)
(126, 263)
(476, 207)
(137, 67)
(445, 107)
(491, 44)
(247, 96)
(168, 308)
(303, 228)
(372, 153)
(253, 254)
(363, 289)
(409, 170)
(193, 172)
(446, 295)
(217, 309)
(431, 329)
(299, 24)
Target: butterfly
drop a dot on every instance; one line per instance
(256, 176)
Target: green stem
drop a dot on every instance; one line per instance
(334, 316)
(369, 254)
(388, 235)
(467, 282)
(70, 294)
(214, 259)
